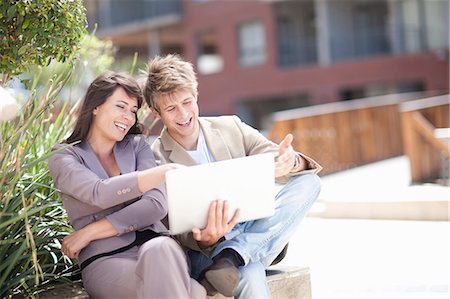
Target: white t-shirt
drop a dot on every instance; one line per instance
(202, 154)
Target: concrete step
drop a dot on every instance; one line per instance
(284, 282)
(381, 190)
(432, 210)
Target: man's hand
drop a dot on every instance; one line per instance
(286, 157)
(217, 226)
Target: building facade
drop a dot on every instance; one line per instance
(254, 57)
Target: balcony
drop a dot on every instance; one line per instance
(112, 14)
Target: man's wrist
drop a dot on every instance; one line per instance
(297, 162)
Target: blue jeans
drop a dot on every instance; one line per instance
(260, 241)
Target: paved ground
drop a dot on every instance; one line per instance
(373, 258)
(390, 259)
(387, 180)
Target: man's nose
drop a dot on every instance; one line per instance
(183, 112)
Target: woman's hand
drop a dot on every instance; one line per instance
(217, 226)
(76, 241)
(153, 177)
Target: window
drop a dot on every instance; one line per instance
(209, 61)
(252, 43)
(297, 38)
(412, 27)
(382, 88)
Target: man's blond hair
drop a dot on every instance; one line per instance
(167, 75)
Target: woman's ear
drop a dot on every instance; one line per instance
(95, 111)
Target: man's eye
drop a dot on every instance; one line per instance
(170, 109)
(120, 106)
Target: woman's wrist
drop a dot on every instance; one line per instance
(99, 230)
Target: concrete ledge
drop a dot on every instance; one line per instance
(284, 282)
(66, 291)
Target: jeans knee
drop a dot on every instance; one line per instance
(301, 189)
(310, 181)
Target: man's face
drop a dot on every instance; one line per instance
(179, 113)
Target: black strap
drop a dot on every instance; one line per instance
(141, 237)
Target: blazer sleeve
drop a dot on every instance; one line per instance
(72, 177)
(150, 208)
(256, 143)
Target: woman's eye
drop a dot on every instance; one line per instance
(120, 106)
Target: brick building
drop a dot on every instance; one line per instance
(254, 57)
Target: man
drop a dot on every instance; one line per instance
(227, 258)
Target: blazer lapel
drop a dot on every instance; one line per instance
(215, 141)
(176, 152)
(91, 160)
(125, 156)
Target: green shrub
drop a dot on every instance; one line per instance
(34, 32)
(32, 219)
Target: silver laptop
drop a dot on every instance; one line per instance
(246, 183)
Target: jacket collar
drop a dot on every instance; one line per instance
(213, 138)
(177, 153)
(123, 155)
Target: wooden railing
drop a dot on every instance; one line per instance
(428, 154)
(347, 134)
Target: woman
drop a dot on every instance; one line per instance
(114, 196)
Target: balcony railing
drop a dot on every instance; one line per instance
(113, 13)
(428, 151)
(347, 134)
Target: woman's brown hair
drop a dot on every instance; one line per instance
(100, 89)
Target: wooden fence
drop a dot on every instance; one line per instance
(347, 134)
(428, 153)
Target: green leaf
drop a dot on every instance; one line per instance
(22, 50)
(11, 12)
(25, 23)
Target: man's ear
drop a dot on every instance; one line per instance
(155, 113)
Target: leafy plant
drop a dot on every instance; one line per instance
(34, 32)
(94, 57)
(32, 219)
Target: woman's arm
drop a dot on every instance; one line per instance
(154, 177)
(75, 242)
(74, 178)
(150, 208)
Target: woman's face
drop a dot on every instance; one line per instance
(114, 118)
